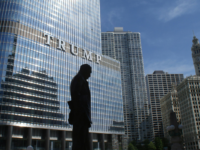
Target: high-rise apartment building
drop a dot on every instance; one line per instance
(168, 104)
(196, 55)
(159, 84)
(42, 45)
(189, 101)
(126, 48)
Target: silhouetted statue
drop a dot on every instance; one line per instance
(81, 103)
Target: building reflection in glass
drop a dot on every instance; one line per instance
(30, 97)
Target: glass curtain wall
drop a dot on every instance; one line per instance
(35, 77)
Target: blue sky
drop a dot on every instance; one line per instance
(166, 28)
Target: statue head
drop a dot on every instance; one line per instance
(85, 70)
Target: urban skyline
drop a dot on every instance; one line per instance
(166, 27)
(33, 50)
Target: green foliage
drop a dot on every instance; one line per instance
(139, 146)
(158, 143)
(131, 147)
(135, 148)
(146, 142)
(145, 145)
(151, 146)
(134, 143)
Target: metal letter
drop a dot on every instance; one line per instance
(98, 58)
(72, 50)
(61, 45)
(48, 38)
(86, 55)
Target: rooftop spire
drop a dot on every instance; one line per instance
(195, 40)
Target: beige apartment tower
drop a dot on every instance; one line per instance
(169, 103)
(189, 100)
(159, 84)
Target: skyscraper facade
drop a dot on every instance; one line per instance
(126, 48)
(196, 55)
(159, 84)
(188, 94)
(169, 103)
(42, 45)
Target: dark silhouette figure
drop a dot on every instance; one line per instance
(81, 103)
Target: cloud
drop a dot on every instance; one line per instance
(177, 8)
(111, 17)
(115, 14)
(170, 66)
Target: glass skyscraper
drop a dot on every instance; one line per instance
(42, 45)
(126, 48)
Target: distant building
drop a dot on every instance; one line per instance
(196, 55)
(126, 48)
(189, 101)
(169, 103)
(159, 84)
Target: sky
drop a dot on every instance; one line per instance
(166, 28)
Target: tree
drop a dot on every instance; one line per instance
(139, 146)
(158, 143)
(151, 146)
(146, 142)
(131, 147)
(134, 143)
